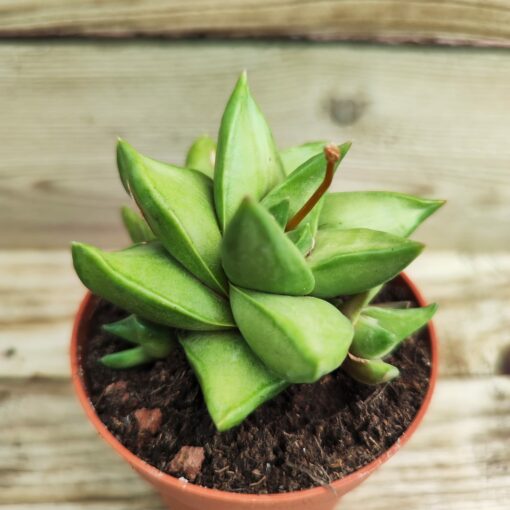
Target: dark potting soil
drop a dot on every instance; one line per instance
(309, 435)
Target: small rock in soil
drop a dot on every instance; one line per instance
(188, 461)
(118, 391)
(148, 420)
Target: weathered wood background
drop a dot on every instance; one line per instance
(476, 22)
(432, 120)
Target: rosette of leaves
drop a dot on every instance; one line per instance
(239, 257)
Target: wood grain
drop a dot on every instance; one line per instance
(458, 460)
(40, 295)
(422, 121)
(444, 21)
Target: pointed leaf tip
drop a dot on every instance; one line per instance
(242, 86)
(128, 358)
(179, 207)
(242, 384)
(278, 267)
(395, 213)
(77, 249)
(157, 341)
(126, 156)
(370, 372)
(247, 162)
(161, 295)
(298, 338)
(380, 330)
(349, 261)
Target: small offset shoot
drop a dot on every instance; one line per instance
(152, 340)
(245, 260)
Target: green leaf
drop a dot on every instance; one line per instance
(233, 380)
(302, 237)
(295, 156)
(158, 341)
(257, 254)
(178, 204)
(353, 307)
(136, 226)
(280, 212)
(201, 155)
(299, 338)
(371, 372)
(247, 162)
(146, 281)
(355, 260)
(127, 359)
(299, 186)
(386, 211)
(380, 330)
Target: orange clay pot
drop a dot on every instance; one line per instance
(181, 495)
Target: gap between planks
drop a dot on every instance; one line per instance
(447, 22)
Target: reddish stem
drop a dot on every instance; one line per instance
(332, 155)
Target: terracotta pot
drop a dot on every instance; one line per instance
(180, 495)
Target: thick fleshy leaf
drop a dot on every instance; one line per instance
(386, 211)
(353, 307)
(302, 237)
(178, 204)
(247, 162)
(258, 255)
(234, 381)
(146, 281)
(295, 156)
(355, 260)
(201, 155)
(299, 338)
(136, 226)
(379, 330)
(280, 212)
(158, 341)
(128, 358)
(374, 371)
(298, 187)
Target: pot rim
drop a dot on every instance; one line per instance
(151, 472)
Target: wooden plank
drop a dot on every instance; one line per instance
(422, 121)
(40, 294)
(473, 320)
(146, 502)
(457, 461)
(46, 450)
(445, 21)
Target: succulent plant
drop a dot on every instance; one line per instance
(240, 257)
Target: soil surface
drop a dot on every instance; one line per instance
(309, 435)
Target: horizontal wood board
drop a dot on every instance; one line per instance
(425, 121)
(424, 21)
